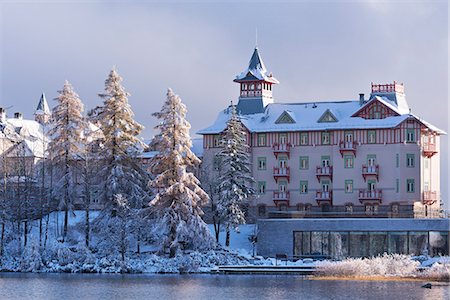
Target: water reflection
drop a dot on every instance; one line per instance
(217, 287)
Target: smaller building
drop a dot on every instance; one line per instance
(340, 238)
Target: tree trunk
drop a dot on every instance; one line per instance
(227, 240)
(66, 223)
(87, 228)
(25, 233)
(3, 239)
(217, 230)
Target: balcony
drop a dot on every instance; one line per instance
(368, 171)
(429, 197)
(429, 149)
(370, 196)
(324, 197)
(324, 172)
(284, 148)
(281, 173)
(347, 147)
(280, 197)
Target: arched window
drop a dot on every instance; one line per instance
(348, 207)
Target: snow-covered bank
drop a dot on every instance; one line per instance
(389, 266)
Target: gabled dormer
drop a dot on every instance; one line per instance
(286, 117)
(327, 117)
(377, 108)
(255, 86)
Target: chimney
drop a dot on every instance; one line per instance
(18, 115)
(2, 115)
(361, 99)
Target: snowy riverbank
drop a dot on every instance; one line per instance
(72, 257)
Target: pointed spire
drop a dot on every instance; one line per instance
(256, 70)
(42, 107)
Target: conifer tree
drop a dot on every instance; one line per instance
(121, 171)
(179, 196)
(236, 180)
(66, 135)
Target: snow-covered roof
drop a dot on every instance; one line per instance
(307, 116)
(42, 108)
(28, 132)
(256, 70)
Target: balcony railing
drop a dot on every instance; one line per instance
(347, 147)
(429, 197)
(324, 197)
(281, 197)
(279, 172)
(370, 171)
(281, 148)
(370, 195)
(324, 172)
(429, 149)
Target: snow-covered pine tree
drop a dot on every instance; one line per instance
(64, 147)
(235, 181)
(179, 197)
(120, 170)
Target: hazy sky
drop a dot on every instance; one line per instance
(319, 50)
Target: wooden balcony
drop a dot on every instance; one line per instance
(370, 196)
(370, 171)
(429, 149)
(324, 197)
(429, 197)
(347, 147)
(280, 197)
(281, 173)
(281, 149)
(324, 172)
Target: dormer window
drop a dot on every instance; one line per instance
(327, 117)
(285, 118)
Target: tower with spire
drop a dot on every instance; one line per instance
(255, 86)
(42, 113)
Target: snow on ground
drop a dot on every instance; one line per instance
(72, 256)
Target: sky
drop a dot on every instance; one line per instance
(318, 50)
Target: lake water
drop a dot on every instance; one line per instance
(216, 287)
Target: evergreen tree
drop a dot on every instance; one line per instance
(179, 197)
(65, 147)
(236, 180)
(120, 146)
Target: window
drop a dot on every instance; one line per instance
(348, 208)
(217, 141)
(282, 186)
(348, 186)
(261, 163)
(261, 209)
(325, 138)
(261, 139)
(348, 161)
(303, 187)
(348, 136)
(410, 136)
(397, 185)
(304, 162)
(394, 208)
(261, 187)
(325, 160)
(308, 207)
(410, 185)
(303, 138)
(371, 209)
(259, 86)
(397, 160)
(371, 137)
(371, 160)
(410, 160)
